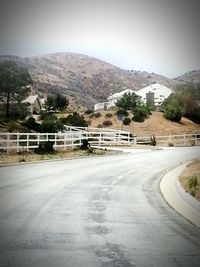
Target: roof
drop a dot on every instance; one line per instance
(31, 99)
(161, 92)
(120, 94)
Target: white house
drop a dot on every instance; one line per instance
(34, 104)
(112, 100)
(157, 91)
(154, 94)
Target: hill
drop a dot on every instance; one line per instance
(155, 124)
(86, 80)
(191, 76)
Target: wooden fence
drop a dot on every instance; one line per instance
(74, 137)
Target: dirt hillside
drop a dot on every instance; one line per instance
(156, 124)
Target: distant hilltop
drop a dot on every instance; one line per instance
(87, 80)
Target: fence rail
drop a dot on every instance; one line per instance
(74, 137)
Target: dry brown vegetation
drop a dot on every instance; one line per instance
(68, 154)
(193, 169)
(156, 124)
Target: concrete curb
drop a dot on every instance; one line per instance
(177, 198)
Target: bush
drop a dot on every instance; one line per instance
(18, 111)
(95, 115)
(170, 144)
(74, 119)
(45, 115)
(12, 126)
(108, 115)
(173, 111)
(141, 112)
(85, 144)
(31, 124)
(45, 148)
(107, 123)
(50, 126)
(89, 111)
(126, 121)
(127, 101)
(153, 140)
(122, 112)
(192, 183)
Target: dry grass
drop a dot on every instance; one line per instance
(193, 169)
(68, 154)
(156, 124)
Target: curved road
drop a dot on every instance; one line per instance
(104, 211)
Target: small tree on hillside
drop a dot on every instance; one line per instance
(127, 101)
(75, 119)
(56, 102)
(172, 110)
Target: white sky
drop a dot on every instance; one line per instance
(160, 36)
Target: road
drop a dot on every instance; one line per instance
(103, 211)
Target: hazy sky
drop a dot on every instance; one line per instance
(161, 36)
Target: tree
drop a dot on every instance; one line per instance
(141, 112)
(13, 83)
(188, 95)
(127, 101)
(74, 119)
(172, 110)
(56, 102)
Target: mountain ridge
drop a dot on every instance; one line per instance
(86, 80)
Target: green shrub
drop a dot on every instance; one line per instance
(89, 111)
(107, 123)
(108, 115)
(192, 182)
(12, 126)
(141, 112)
(51, 126)
(45, 148)
(173, 111)
(170, 144)
(85, 144)
(31, 124)
(18, 111)
(128, 101)
(153, 140)
(45, 115)
(74, 119)
(95, 115)
(122, 112)
(126, 121)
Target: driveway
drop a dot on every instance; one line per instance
(105, 211)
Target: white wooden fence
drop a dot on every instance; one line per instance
(73, 137)
(11, 142)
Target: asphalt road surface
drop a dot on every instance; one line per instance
(103, 211)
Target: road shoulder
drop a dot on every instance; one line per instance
(177, 198)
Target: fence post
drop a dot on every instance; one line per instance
(27, 141)
(38, 139)
(196, 140)
(8, 142)
(129, 138)
(64, 141)
(184, 139)
(135, 140)
(17, 142)
(55, 139)
(99, 143)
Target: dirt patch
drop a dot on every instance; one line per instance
(192, 170)
(68, 154)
